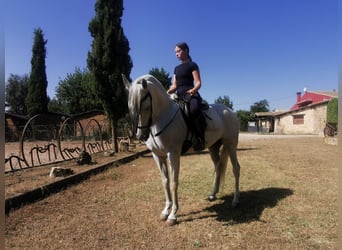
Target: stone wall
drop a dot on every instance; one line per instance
(314, 121)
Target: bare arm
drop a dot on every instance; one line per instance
(173, 86)
(197, 80)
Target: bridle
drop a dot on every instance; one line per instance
(148, 95)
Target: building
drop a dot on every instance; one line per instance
(92, 121)
(14, 125)
(307, 116)
(265, 121)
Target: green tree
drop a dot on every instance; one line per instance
(244, 117)
(260, 106)
(108, 59)
(332, 111)
(16, 92)
(163, 76)
(56, 106)
(75, 95)
(37, 99)
(225, 100)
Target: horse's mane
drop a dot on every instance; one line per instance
(152, 80)
(134, 96)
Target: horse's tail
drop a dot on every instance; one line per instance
(227, 151)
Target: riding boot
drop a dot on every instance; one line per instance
(198, 142)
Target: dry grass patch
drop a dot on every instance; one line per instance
(288, 201)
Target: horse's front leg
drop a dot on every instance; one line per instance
(174, 162)
(162, 166)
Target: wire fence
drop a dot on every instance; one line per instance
(48, 139)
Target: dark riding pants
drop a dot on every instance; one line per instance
(194, 103)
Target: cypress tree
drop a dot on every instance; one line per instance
(109, 59)
(37, 100)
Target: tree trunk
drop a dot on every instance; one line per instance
(114, 142)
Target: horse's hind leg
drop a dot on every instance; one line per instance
(220, 168)
(236, 172)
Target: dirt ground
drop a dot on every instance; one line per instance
(288, 201)
(48, 154)
(30, 178)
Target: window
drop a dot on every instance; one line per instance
(298, 119)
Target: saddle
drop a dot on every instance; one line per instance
(184, 106)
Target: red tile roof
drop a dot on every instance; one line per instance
(311, 97)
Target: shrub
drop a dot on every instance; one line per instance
(332, 111)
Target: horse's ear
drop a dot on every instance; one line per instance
(126, 82)
(144, 83)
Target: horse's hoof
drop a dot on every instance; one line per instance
(163, 217)
(171, 222)
(212, 197)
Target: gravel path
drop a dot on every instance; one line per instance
(255, 136)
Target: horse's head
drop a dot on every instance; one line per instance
(140, 107)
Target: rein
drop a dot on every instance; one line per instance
(148, 95)
(173, 117)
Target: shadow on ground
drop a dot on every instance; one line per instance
(204, 152)
(252, 204)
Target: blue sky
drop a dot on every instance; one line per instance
(249, 50)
